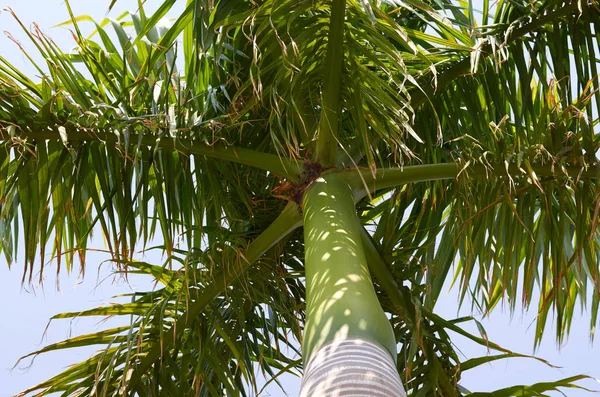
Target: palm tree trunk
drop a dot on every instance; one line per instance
(349, 347)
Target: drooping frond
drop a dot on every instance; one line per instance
(526, 110)
(125, 150)
(257, 323)
(195, 132)
(216, 351)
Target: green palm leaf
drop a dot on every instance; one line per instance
(465, 139)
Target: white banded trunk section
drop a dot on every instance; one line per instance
(351, 368)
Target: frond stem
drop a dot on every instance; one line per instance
(284, 167)
(385, 279)
(363, 182)
(329, 122)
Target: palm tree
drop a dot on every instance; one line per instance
(313, 170)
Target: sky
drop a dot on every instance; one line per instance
(25, 310)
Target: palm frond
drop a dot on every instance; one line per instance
(474, 140)
(202, 333)
(122, 151)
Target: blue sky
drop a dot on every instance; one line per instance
(25, 310)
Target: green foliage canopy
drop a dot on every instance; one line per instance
(468, 138)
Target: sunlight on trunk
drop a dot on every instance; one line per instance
(349, 347)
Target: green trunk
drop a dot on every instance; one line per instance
(341, 300)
